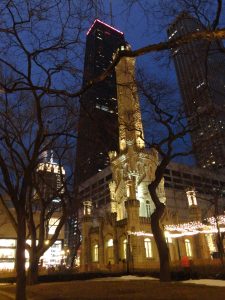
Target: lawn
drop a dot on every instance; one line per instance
(132, 290)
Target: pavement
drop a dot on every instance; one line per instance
(6, 296)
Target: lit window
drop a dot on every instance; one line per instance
(7, 253)
(7, 243)
(168, 237)
(176, 51)
(110, 243)
(148, 209)
(191, 195)
(172, 34)
(188, 247)
(211, 244)
(125, 249)
(53, 223)
(95, 253)
(148, 247)
(54, 255)
(56, 200)
(102, 107)
(110, 251)
(200, 85)
(87, 207)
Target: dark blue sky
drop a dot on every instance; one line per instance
(146, 24)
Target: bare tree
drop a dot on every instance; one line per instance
(3, 217)
(46, 212)
(41, 50)
(29, 130)
(40, 45)
(172, 124)
(213, 213)
(168, 135)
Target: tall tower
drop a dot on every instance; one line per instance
(200, 68)
(98, 124)
(133, 167)
(129, 114)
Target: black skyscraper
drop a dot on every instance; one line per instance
(200, 67)
(98, 123)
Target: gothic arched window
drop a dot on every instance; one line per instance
(148, 247)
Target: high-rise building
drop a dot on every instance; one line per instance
(50, 181)
(98, 122)
(200, 68)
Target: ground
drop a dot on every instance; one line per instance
(121, 288)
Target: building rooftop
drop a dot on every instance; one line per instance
(97, 21)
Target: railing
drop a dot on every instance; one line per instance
(144, 220)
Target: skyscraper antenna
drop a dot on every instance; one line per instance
(96, 8)
(110, 12)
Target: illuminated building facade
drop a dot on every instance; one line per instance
(50, 178)
(118, 235)
(98, 122)
(177, 178)
(52, 257)
(200, 68)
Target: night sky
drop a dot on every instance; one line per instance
(145, 23)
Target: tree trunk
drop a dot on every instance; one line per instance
(219, 237)
(161, 244)
(20, 258)
(32, 275)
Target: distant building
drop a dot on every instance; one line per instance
(50, 180)
(200, 68)
(50, 177)
(177, 179)
(98, 122)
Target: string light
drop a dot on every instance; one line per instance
(188, 229)
(139, 233)
(196, 227)
(190, 226)
(220, 220)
